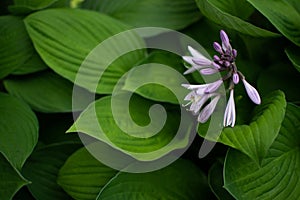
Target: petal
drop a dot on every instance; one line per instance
(195, 53)
(230, 115)
(252, 92)
(212, 87)
(208, 110)
(201, 102)
(202, 61)
(189, 96)
(188, 59)
(208, 71)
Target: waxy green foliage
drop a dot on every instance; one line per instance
(75, 70)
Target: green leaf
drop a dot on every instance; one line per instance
(181, 180)
(278, 176)
(216, 183)
(294, 56)
(15, 45)
(282, 15)
(33, 64)
(175, 14)
(11, 179)
(256, 138)
(77, 33)
(41, 90)
(82, 176)
(163, 73)
(42, 169)
(22, 7)
(217, 11)
(129, 130)
(281, 76)
(18, 130)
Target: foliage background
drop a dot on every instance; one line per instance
(42, 44)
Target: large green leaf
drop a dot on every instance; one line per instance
(18, 130)
(256, 138)
(15, 45)
(282, 15)
(130, 129)
(77, 33)
(11, 179)
(47, 92)
(22, 7)
(217, 11)
(175, 14)
(278, 176)
(162, 72)
(42, 169)
(181, 180)
(83, 176)
(294, 56)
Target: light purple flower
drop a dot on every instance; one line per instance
(208, 110)
(225, 62)
(229, 115)
(252, 92)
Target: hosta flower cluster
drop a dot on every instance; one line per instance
(201, 94)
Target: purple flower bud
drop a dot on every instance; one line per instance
(235, 78)
(252, 92)
(225, 40)
(208, 110)
(212, 87)
(202, 61)
(208, 71)
(218, 47)
(227, 63)
(216, 58)
(234, 53)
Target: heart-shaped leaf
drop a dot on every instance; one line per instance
(41, 90)
(77, 33)
(15, 44)
(181, 180)
(256, 138)
(11, 179)
(18, 130)
(217, 11)
(294, 56)
(83, 176)
(278, 176)
(135, 129)
(42, 169)
(174, 14)
(282, 15)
